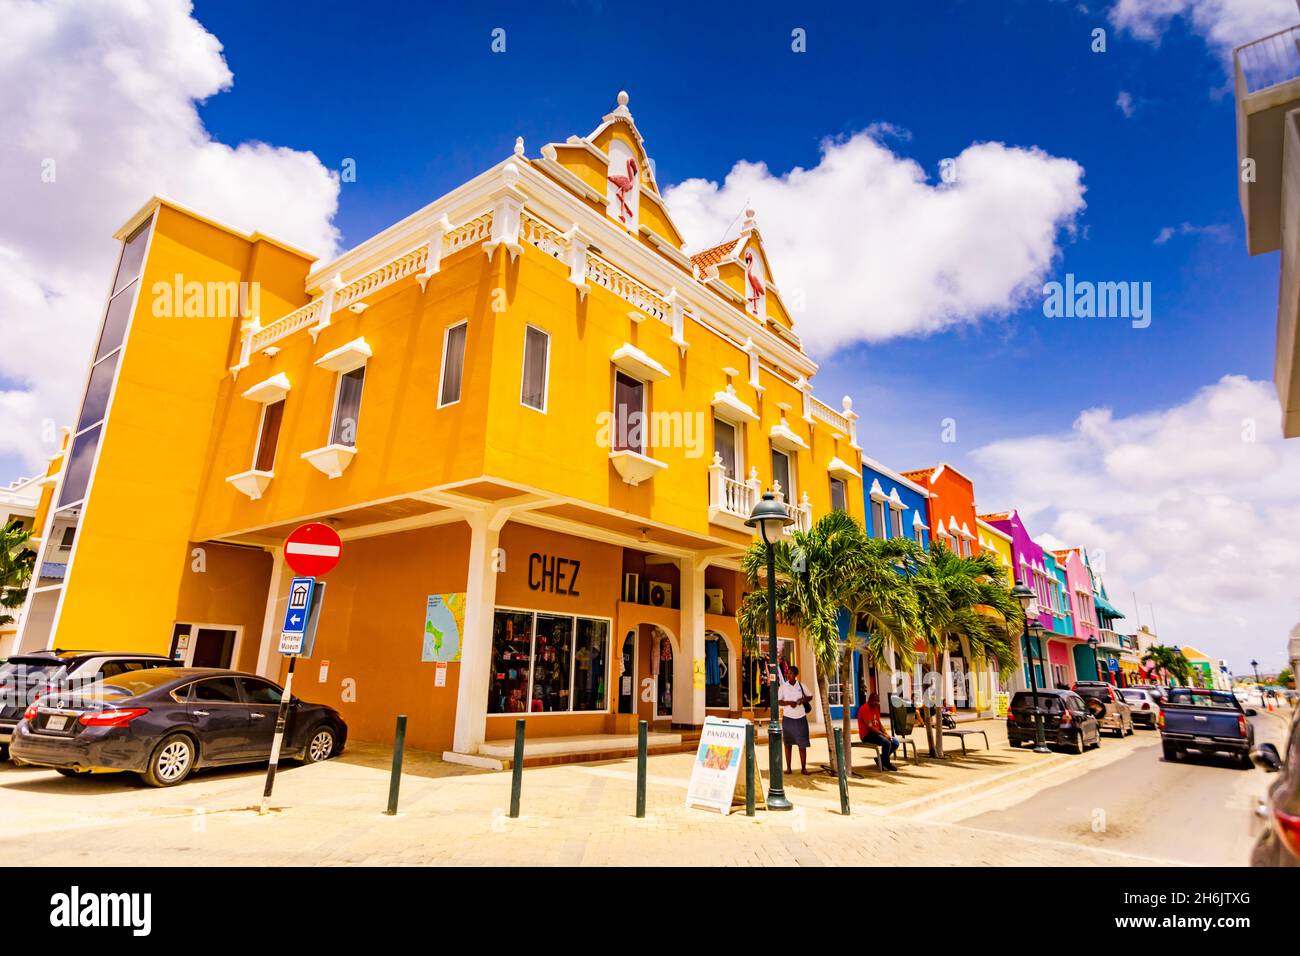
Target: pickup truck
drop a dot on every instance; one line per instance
(1206, 721)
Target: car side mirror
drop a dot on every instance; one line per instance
(1266, 758)
(1251, 712)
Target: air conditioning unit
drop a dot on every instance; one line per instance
(713, 601)
(631, 588)
(661, 594)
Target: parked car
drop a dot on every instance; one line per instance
(1207, 721)
(1279, 843)
(1144, 705)
(25, 677)
(1105, 703)
(1158, 691)
(167, 722)
(1066, 721)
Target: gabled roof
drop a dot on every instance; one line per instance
(996, 516)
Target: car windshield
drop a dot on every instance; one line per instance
(1046, 702)
(128, 684)
(1096, 693)
(1137, 695)
(1218, 699)
(12, 672)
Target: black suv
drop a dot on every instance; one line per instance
(1066, 721)
(24, 677)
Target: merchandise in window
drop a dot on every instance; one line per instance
(512, 655)
(547, 663)
(552, 650)
(589, 668)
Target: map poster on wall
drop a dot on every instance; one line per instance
(444, 622)
(717, 763)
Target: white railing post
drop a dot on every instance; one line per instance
(677, 320)
(576, 256)
(507, 214)
(717, 491)
(433, 259)
(328, 291)
(852, 417)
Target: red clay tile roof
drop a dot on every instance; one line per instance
(996, 516)
(713, 255)
(922, 473)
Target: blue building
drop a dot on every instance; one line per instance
(895, 507)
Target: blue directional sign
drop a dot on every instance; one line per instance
(296, 614)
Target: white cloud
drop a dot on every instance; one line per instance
(1218, 231)
(1125, 103)
(108, 93)
(879, 251)
(1195, 508)
(1223, 23)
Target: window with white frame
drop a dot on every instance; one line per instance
(896, 520)
(839, 496)
(347, 407)
(453, 364)
(268, 435)
(727, 446)
(537, 363)
(629, 414)
(878, 527)
(783, 471)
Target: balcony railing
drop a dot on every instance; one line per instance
(731, 500)
(1270, 61)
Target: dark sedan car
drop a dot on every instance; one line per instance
(1066, 721)
(166, 722)
(1279, 844)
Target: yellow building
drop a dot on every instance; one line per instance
(523, 406)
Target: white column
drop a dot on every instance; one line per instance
(948, 697)
(476, 642)
(688, 701)
(268, 665)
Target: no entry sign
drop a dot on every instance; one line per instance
(313, 549)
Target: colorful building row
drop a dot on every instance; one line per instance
(538, 426)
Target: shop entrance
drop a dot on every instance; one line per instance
(627, 675)
(201, 645)
(655, 654)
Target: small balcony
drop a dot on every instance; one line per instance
(732, 501)
(1267, 79)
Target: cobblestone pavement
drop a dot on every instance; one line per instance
(575, 814)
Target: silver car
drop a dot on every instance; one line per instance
(1104, 702)
(1144, 704)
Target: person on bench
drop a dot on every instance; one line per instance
(872, 731)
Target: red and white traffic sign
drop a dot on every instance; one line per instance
(313, 549)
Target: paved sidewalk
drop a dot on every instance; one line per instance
(575, 814)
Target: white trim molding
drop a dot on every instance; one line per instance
(346, 358)
(636, 363)
(269, 390)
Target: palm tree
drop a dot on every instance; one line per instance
(810, 572)
(964, 598)
(1169, 661)
(16, 564)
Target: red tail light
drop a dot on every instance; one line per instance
(1241, 724)
(113, 718)
(1067, 720)
(1146, 706)
(1288, 828)
(1160, 720)
(30, 712)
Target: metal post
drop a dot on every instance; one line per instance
(844, 780)
(776, 799)
(751, 765)
(395, 782)
(281, 721)
(1040, 745)
(517, 768)
(640, 768)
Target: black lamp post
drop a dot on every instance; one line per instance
(1258, 686)
(1029, 602)
(770, 518)
(1092, 643)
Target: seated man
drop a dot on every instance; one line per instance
(872, 731)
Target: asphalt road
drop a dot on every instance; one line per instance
(1197, 810)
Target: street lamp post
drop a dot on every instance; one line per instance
(1092, 643)
(1258, 686)
(1029, 602)
(770, 517)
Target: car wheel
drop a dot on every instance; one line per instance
(71, 772)
(1170, 752)
(1130, 728)
(320, 746)
(171, 762)
(1078, 743)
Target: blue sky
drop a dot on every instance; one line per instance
(1131, 441)
(423, 104)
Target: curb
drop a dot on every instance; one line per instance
(921, 804)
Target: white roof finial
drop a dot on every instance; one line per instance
(749, 225)
(519, 146)
(622, 98)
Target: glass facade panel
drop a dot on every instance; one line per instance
(80, 459)
(95, 405)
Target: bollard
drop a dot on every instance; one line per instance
(749, 770)
(395, 782)
(517, 769)
(640, 768)
(844, 780)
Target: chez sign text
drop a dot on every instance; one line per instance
(546, 572)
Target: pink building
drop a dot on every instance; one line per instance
(1083, 613)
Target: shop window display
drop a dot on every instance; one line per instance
(717, 671)
(547, 663)
(753, 688)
